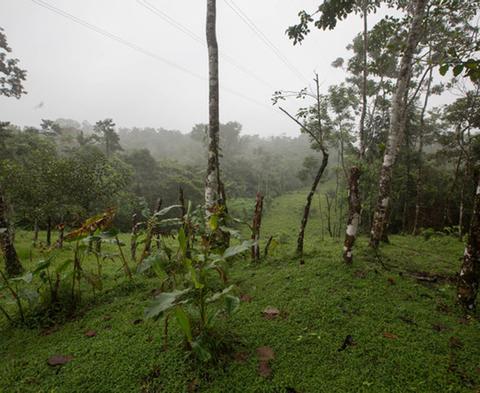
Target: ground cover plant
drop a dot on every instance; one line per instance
(329, 327)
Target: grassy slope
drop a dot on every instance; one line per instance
(321, 302)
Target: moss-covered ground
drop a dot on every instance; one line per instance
(407, 334)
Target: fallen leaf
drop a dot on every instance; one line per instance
(193, 385)
(265, 353)
(444, 308)
(360, 274)
(49, 331)
(59, 360)
(90, 333)
(240, 357)
(264, 369)
(455, 342)
(246, 298)
(438, 327)
(391, 281)
(391, 336)
(270, 312)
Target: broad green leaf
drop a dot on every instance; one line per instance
(63, 266)
(27, 277)
(182, 241)
(457, 70)
(201, 352)
(443, 69)
(231, 304)
(166, 210)
(233, 232)
(158, 269)
(153, 262)
(169, 222)
(42, 265)
(235, 250)
(193, 274)
(164, 302)
(184, 322)
(112, 232)
(218, 295)
(213, 222)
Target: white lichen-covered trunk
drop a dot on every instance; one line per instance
(354, 209)
(469, 277)
(354, 199)
(212, 186)
(397, 124)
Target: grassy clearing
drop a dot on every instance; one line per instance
(408, 334)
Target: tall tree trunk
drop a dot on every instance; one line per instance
(61, 233)
(215, 199)
(35, 232)
(468, 282)
(257, 222)
(354, 212)
(397, 124)
(306, 210)
(134, 237)
(212, 186)
(181, 201)
(13, 266)
(354, 197)
(158, 207)
(49, 231)
(461, 211)
(329, 215)
(185, 221)
(363, 114)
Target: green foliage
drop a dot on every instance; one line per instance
(190, 306)
(12, 76)
(54, 284)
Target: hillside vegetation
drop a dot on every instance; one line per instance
(406, 332)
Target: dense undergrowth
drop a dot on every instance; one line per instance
(389, 323)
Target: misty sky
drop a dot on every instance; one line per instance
(74, 72)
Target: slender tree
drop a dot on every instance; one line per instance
(314, 128)
(354, 198)
(215, 202)
(397, 123)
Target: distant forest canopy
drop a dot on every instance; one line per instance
(64, 171)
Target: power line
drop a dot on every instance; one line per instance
(149, 6)
(137, 48)
(244, 17)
